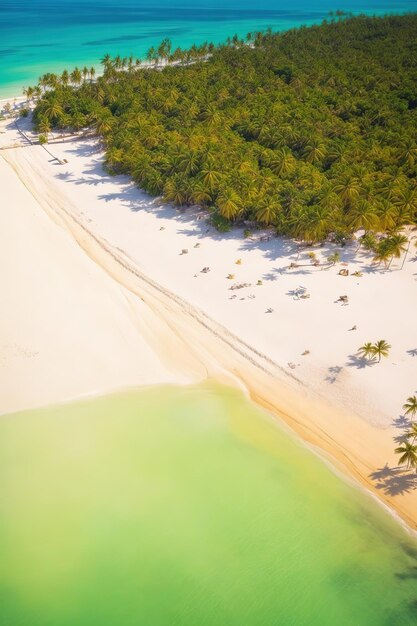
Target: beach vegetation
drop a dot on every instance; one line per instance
(408, 452)
(367, 351)
(375, 350)
(410, 406)
(381, 349)
(311, 132)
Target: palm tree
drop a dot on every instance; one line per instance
(381, 348)
(44, 126)
(103, 123)
(199, 194)
(210, 176)
(28, 92)
(228, 202)
(187, 162)
(367, 351)
(383, 252)
(410, 407)
(408, 453)
(211, 115)
(267, 212)
(386, 215)
(76, 76)
(314, 151)
(164, 49)
(174, 191)
(397, 244)
(348, 187)
(52, 109)
(406, 205)
(362, 215)
(368, 241)
(106, 61)
(408, 152)
(150, 55)
(65, 78)
(282, 162)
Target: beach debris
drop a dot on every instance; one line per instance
(305, 296)
(251, 296)
(233, 297)
(265, 238)
(184, 251)
(292, 365)
(205, 270)
(305, 352)
(240, 285)
(343, 299)
(238, 262)
(196, 245)
(292, 266)
(269, 310)
(230, 276)
(353, 327)
(242, 298)
(357, 274)
(343, 272)
(259, 283)
(162, 228)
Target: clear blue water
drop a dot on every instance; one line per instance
(37, 36)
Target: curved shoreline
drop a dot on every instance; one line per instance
(205, 348)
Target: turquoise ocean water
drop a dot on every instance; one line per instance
(187, 507)
(37, 36)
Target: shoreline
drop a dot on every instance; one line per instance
(114, 48)
(208, 348)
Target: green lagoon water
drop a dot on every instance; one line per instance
(188, 507)
(38, 36)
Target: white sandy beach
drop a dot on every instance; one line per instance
(98, 296)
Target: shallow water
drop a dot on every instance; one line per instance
(187, 506)
(38, 36)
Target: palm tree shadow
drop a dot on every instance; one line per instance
(334, 372)
(401, 438)
(411, 572)
(394, 481)
(402, 422)
(359, 362)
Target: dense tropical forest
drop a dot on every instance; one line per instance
(312, 131)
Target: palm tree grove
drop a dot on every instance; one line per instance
(312, 131)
